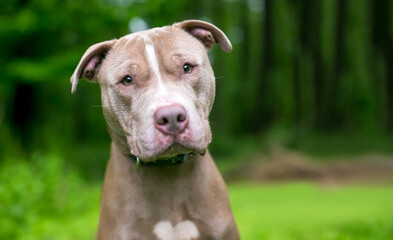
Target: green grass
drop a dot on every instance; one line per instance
(306, 211)
(44, 199)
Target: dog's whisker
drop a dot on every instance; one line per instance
(213, 123)
(222, 77)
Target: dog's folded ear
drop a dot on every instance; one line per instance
(207, 33)
(90, 62)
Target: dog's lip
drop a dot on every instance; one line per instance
(170, 157)
(172, 151)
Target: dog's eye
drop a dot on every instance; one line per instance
(187, 68)
(127, 80)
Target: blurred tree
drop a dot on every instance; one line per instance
(303, 66)
(264, 112)
(383, 41)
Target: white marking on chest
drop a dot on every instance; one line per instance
(185, 230)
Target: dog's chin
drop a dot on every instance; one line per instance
(172, 151)
(168, 152)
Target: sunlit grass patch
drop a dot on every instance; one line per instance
(306, 211)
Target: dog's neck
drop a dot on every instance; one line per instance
(190, 191)
(194, 167)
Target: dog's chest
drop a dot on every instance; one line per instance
(186, 230)
(189, 229)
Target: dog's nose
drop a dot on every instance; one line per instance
(171, 119)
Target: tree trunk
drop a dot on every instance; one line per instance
(383, 41)
(333, 109)
(264, 112)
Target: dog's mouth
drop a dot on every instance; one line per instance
(167, 158)
(173, 153)
(177, 159)
(160, 147)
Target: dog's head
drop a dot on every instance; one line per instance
(157, 87)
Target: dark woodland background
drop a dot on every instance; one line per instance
(301, 72)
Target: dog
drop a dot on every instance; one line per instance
(157, 90)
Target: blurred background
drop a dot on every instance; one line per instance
(302, 122)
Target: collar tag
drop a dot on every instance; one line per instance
(138, 164)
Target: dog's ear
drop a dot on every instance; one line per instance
(90, 62)
(206, 32)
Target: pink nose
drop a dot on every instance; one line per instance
(171, 119)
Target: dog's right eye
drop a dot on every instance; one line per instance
(187, 68)
(127, 80)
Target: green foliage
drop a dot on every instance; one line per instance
(42, 199)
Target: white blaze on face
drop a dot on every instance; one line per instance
(151, 56)
(185, 230)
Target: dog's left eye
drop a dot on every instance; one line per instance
(127, 80)
(187, 68)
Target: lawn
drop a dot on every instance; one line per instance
(39, 199)
(304, 211)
